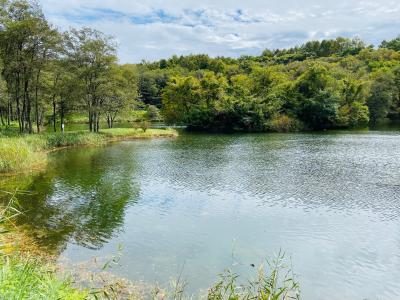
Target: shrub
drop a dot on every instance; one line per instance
(284, 123)
(144, 125)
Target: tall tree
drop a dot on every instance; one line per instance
(91, 54)
(381, 95)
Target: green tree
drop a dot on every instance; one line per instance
(391, 44)
(381, 95)
(26, 41)
(91, 54)
(353, 110)
(120, 92)
(319, 98)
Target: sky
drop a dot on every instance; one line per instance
(155, 29)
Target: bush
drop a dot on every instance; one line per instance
(144, 125)
(284, 123)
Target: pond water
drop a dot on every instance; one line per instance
(204, 203)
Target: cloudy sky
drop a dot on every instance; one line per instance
(154, 29)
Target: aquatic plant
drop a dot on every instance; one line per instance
(275, 281)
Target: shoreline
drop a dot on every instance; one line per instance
(26, 153)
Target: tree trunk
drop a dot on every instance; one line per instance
(54, 115)
(90, 121)
(109, 122)
(62, 117)
(36, 102)
(1, 118)
(9, 112)
(19, 116)
(27, 99)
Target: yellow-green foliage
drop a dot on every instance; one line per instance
(19, 154)
(284, 123)
(23, 278)
(56, 140)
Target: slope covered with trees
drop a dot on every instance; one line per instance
(48, 75)
(339, 83)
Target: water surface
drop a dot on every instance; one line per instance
(204, 203)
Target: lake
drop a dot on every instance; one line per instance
(200, 204)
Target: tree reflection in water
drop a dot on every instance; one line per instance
(87, 207)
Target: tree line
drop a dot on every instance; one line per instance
(47, 75)
(48, 72)
(339, 83)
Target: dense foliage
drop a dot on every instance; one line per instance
(339, 83)
(48, 75)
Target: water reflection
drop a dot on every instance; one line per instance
(81, 198)
(331, 200)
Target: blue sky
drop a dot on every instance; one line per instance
(154, 29)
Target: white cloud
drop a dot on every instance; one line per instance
(154, 29)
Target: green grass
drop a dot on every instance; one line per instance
(138, 133)
(79, 138)
(23, 278)
(24, 152)
(19, 154)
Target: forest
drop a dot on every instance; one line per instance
(48, 75)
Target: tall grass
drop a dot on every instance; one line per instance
(138, 133)
(80, 138)
(25, 278)
(17, 154)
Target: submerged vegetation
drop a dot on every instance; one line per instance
(26, 277)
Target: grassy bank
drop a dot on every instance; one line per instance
(21, 153)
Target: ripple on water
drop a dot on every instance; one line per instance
(330, 200)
